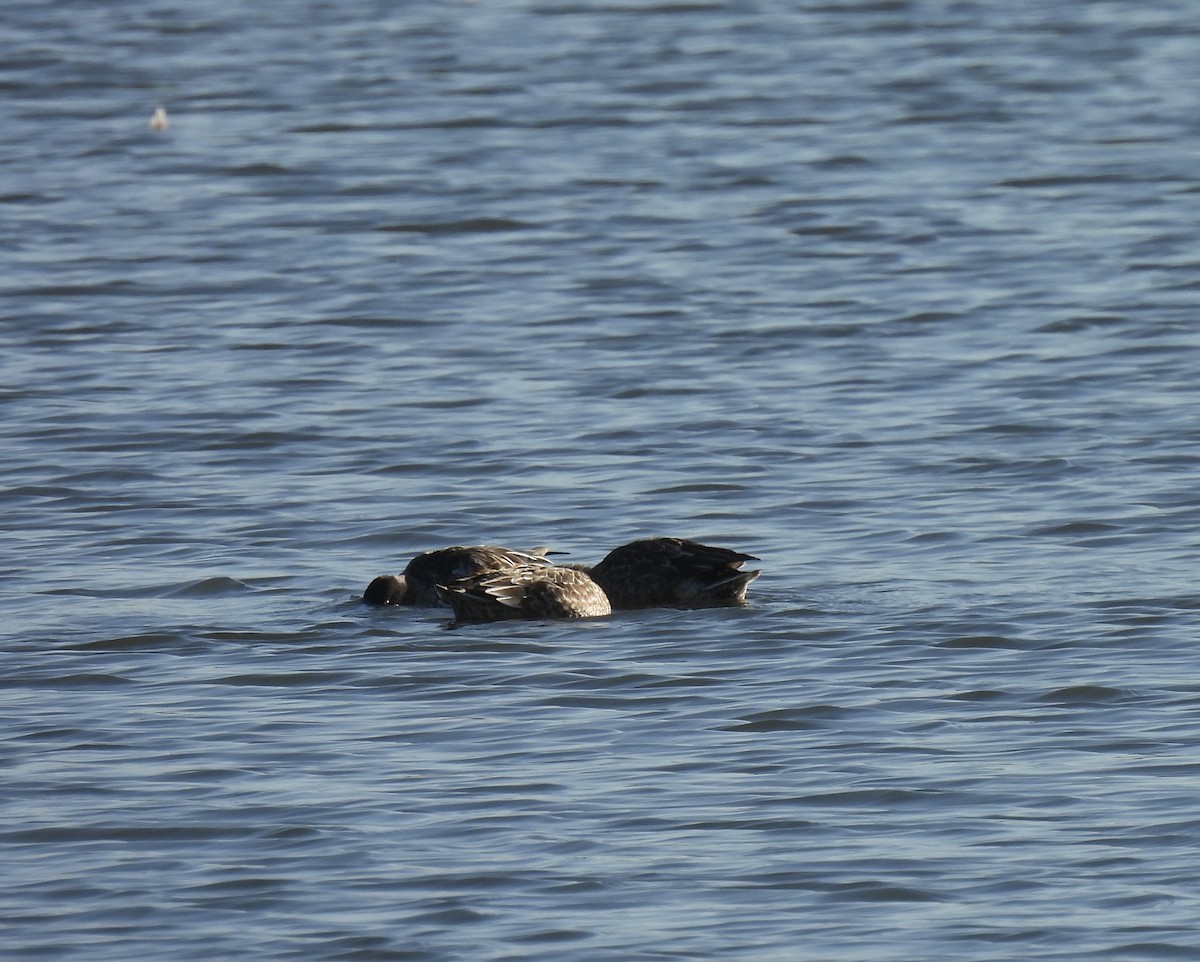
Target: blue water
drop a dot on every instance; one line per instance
(899, 296)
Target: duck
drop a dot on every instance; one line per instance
(531, 591)
(418, 584)
(673, 573)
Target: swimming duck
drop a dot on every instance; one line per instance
(418, 584)
(673, 572)
(525, 591)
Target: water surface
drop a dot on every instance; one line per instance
(899, 297)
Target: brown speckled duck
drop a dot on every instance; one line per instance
(418, 584)
(673, 572)
(525, 591)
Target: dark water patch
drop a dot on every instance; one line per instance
(366, 949)
(1085, 695)
(1183, 950)
(1021, 429)
(1018, 467)
(295, 679)
(875, 891)
(453, 915)
(926, 318)
(782, 826)
(449, 404)
(871, 799)
(808, 881)
(856, 231)
(1065, 180)
(553, 936)
(73, 680)
(1148, 606)
(255, 170)
(473, 225)
(936, 538)
(254, 441)
(246, 885)
(150, 641)
(206, 775)
(710, 486)
(101, 289)
(596, 120)
(969, 115)
(985, 641)
(791, 719)
(410, 468)
(466, 122)
(71, 739)
(127, 833)
(1073, 529)
(842, 161)
(657, 390)
(1075, 325)
(337, 127)
(385, 323)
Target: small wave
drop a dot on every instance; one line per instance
(293, 679)
(880, 892)
(208, 587)
(78, 680)
(1083, 695)
(1074, 528)
(989, 641)
(470, 225)
(141, 642)
(788, 719)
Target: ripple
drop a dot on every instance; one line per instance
(209, 587)
(81, 680)
(1085, 695)
(474, 225)
(990, 641)
(790, 719)
(150, 641)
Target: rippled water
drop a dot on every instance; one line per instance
(899, 296)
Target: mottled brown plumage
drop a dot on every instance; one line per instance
(673, 572)
(525, 591)
(418, 584)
